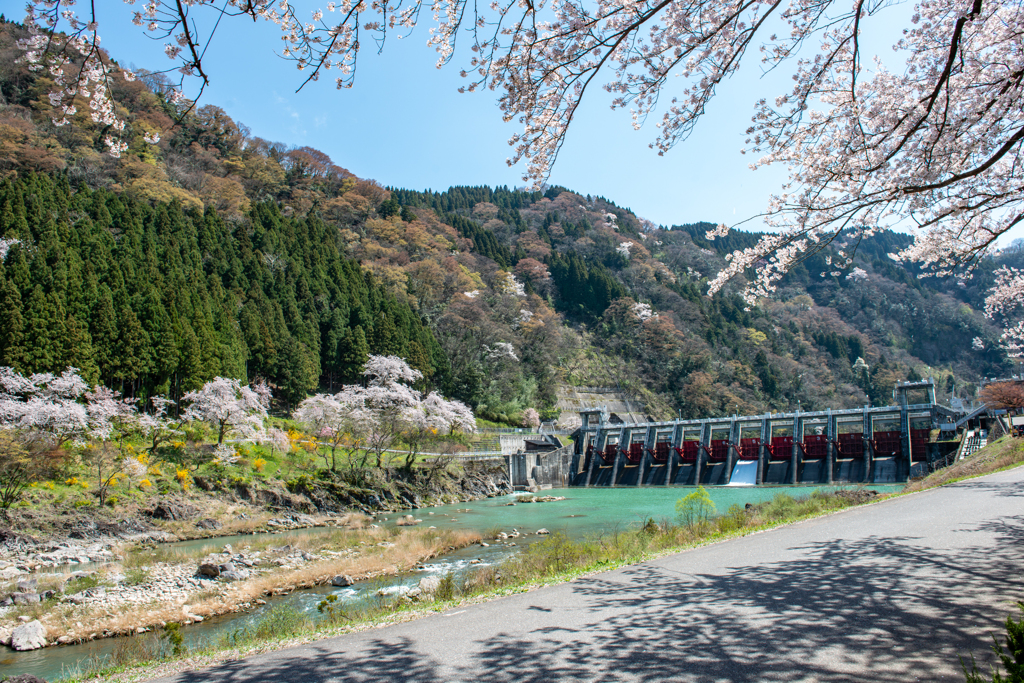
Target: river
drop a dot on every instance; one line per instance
(583, 512)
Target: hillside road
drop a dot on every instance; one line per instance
(891, 591)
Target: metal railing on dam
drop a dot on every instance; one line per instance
(869, 445)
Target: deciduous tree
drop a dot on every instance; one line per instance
(230, 407)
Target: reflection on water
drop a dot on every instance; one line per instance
(583, 512)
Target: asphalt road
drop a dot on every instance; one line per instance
(892, 591)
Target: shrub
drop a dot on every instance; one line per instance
(696, 507)
(172, 634)
(332, 610)
(446, 587)
(1012, 658)
(136, 576)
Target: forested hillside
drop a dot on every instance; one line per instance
(215, 252)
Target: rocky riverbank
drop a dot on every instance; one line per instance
(68, 575)
(127, 596)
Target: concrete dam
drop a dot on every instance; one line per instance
(863, 445)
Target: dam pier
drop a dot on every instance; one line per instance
(863, 445)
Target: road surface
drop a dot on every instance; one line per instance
(892, 592)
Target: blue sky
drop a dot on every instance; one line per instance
(404, 123)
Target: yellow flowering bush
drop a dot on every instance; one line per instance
(258, 464)
(145, 484)
(184, 478)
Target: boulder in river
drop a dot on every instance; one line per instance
(209, 569)
(342, 580)
(542, 532)
(30, 636)
(429, 584)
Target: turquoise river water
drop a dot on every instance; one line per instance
(584, 512)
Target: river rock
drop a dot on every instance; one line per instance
(30, 636)
(209, 569)
(232, 575)
(208, 524)
(5, 635)
(9, 572)
(342, 580)
(25, 678)
(28, 586)
(542, 532)
(25, 598)
(173, 511)
(429, 585)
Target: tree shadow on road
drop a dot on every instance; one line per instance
(845, 611)
(873, 608)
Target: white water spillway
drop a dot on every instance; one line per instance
(744, 473)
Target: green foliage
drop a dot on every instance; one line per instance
(332, 609)
(136, 576)
(585, 288)
(696, 507)
(277, 623)
(1012, 657)
(446, 588)
(152, 297)
(172, 634)
(17, 469)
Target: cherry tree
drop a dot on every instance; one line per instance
(230, 407)
(49, 411)
(433, 419)
(386, 410)
(158, 427)
(46, 408)
(339, 421)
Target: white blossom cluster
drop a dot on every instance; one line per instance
(500, 351)
(5, 246)
(624, 248)
(229, 405)
(643, 312)
(857, 275)
(386, 407)
(507, 283)
(1006, 300)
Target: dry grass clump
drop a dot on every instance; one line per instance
(1000, 454)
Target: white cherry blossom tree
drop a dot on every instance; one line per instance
(378, 415)
(230, 407)
(339, 421)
